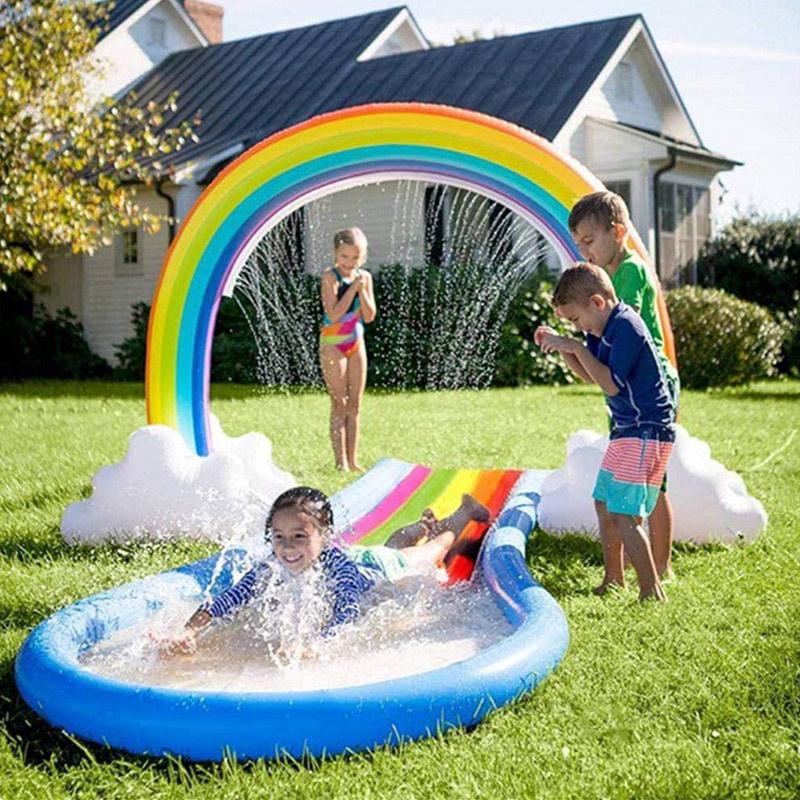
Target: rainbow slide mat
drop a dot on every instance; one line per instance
(439, 490)
(206, 725)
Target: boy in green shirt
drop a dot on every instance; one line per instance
(599, 225)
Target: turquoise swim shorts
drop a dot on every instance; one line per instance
(379, 563)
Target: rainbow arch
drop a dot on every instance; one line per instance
(331, 152)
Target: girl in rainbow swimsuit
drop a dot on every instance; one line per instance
(348, 300)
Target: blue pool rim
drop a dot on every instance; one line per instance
(205, 726)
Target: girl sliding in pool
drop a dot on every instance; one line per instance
(348, 301)
(299, 526)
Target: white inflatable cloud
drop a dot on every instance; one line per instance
(709, 502)
(161, 489)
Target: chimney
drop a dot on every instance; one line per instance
(207, 17)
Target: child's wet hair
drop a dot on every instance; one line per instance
(308, 500)
(577, 285)
(351, 236)
(604, 209)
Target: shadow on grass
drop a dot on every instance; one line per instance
(564, 565)
(124, 390)
(788, 396)
(46, 390)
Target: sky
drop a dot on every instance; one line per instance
(736, 65)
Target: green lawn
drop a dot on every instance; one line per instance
(696, 698)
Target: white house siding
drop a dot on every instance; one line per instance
(403, 40)
(108, 288)
(63, 284)
(130, 50)
(391, 214)
(628, 95)
(613, 155)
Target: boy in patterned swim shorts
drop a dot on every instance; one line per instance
(621, 358)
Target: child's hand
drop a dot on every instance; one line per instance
(183, 644)
(553, 343)
(541, 331)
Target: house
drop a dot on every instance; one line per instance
(599, 90)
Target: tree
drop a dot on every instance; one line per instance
(69, 164)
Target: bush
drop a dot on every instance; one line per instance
(234, 355)
(790, 364)
(757, 259)
(520, 362)
(437, 328)
(722, 340)
(38, 345)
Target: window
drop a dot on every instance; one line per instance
(622, 188)
(684, 224)
(129, 253)
(157, 32)
(130, 247)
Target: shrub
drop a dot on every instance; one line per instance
(722, 340)
(45, 346)
(437, 327)
(38, 345)
(234, 355)
(520, 362)
(791, 340)
(131, 353)
(757, 259)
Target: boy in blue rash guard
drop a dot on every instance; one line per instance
(300, 523)
(620, 357)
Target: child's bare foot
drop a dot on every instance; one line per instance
(428, 521)
(667, 575)
(656, 593)
(607, 586)
(356, 468)
(342, 467)
(477, 511)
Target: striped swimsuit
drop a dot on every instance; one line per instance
(346, 582)
(346, 333)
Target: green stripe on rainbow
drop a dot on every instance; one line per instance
(356, 146)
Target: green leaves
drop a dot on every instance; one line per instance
(67, 159)
(722, 340)
(756, 258)
(520, 362)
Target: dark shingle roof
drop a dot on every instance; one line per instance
(263, 83)
(534, 79)
(250, 88)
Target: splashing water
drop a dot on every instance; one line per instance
(274, 644)
(449, 264)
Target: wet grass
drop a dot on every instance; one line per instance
(698, 698)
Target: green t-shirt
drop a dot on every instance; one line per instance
(635, 286)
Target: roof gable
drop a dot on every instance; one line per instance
(639, 48)
(124, 12)
(248, 89)
(533, 79)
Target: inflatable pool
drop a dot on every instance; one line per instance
(205, 725)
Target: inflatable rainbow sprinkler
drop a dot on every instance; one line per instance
(321, 156)
(340, 150)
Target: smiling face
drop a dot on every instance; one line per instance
(590, 317)
(598, 244)
(347, 257)
(296, 539)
